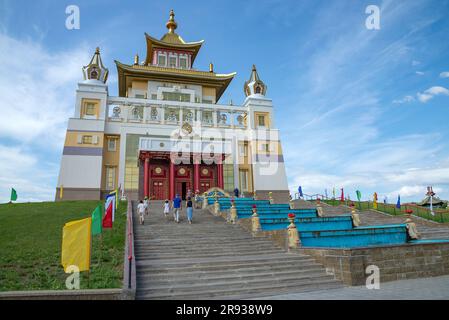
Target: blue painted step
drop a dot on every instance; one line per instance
(357, 237)
(308, 224)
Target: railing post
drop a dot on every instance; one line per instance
(255, 222)
(292, 233)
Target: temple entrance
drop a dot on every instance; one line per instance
(182, 188)
(161, 179)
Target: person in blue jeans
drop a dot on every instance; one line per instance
(189, 206)
(177, 207)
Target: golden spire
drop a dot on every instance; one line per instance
(136, 59)
(171, 24)
(211, 67)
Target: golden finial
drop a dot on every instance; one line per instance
(171, 24)
(136, 59)
(97, 50)
(211, 67)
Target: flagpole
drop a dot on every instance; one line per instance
(101, 249)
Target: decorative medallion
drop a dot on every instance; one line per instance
(161, 144)
(186, 128)
(205, 172)
(158, 170)
(182, 171)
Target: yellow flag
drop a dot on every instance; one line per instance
(76, 238)
(375, 200)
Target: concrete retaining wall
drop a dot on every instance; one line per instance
(399, 262)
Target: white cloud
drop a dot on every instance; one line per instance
(416, 63)
(23, 171)
(431, 93)
(444, 74)
(415, 191)
(419, 73)
(37, 90)
(37, 96)
(406, 99)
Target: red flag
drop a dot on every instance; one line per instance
(107, 219)
(342, 199)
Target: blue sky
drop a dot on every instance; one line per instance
(357, 108)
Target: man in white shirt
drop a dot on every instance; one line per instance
(141, 211)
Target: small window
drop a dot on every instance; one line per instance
(112, 144)
(90, 109)
(265, 147)
(161, 61)
(154, 96)
(172, 62)
(110, 178)
(87, 140)
(261, 121)
(243, 150)
(140, 96)
(183, 63)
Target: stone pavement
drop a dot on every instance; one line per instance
(416, 289)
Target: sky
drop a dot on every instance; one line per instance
(358, 109)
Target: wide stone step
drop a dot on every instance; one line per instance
(174, 241)
(230, 277)
(205, 249)
(242, 272)
(170, 255)
(229, 267)
(246, 292)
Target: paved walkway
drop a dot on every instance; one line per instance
(417, 289)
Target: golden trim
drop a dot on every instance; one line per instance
(127, 74)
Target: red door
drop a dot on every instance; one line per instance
(159, 190)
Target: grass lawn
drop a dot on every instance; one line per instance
(30, 246)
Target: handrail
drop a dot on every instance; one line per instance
(440, 215)
(308, 197)
(129, 268)
(130, 247)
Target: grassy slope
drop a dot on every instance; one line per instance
(30, 246)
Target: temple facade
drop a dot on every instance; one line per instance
(166, 133)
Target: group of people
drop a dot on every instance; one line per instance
(175, 206)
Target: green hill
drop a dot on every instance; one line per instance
(30, 246)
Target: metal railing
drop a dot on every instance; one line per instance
(129, 275)
(441, 216)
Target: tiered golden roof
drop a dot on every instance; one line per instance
(171, 41)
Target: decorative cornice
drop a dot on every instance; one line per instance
(219, 81)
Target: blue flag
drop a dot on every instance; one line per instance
(300, 191)
(398, 205)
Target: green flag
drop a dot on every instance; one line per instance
(359, 195)
(13, 194)
(96, 220)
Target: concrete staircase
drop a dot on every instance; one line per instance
(214, 260)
